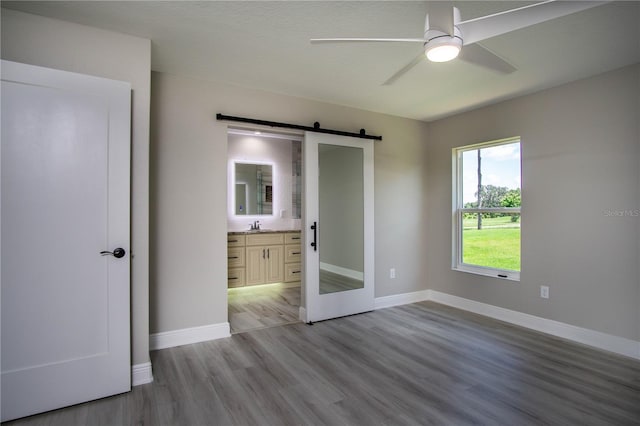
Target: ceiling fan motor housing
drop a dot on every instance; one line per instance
(437, 34)
(435, 30)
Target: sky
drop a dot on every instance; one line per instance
(500, 167)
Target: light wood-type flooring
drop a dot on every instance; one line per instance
(261, 306)
(418, 364)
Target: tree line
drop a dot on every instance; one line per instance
(495, 196)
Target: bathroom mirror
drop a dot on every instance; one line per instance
(253, 189)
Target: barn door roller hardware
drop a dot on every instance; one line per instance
(316, 127)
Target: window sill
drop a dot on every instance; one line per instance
(488, 272)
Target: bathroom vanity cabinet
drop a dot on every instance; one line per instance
(262, 257)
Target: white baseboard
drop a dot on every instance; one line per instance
(401, 299)
(141, 374)
(608, 342)
(356, 275)
(187, 336)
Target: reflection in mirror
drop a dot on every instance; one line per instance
(296, 179)
(241, 198)
(341, 218)
(253, 189)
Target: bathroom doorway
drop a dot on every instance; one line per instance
(264, 203)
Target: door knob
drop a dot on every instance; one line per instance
(117, 253)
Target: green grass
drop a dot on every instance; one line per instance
(491, 222)
(497, 245)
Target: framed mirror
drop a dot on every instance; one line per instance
(253, 185)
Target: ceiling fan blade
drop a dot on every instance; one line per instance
(415, 61)
(480, 55)
(485, 27)
(359, 40)
(440, 16)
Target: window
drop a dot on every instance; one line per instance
(487, 198)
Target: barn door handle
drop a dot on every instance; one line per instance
(117, 253)
(314, 244)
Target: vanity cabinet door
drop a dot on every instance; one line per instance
(274, 264)
(255, 265)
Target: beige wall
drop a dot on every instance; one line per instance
(61, 45)
(189, 180)
(580, 155)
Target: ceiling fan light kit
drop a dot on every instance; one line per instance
(443, 49)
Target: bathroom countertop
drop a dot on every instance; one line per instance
(263, 231)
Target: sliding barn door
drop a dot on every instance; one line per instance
(339, 231)
(65, 199)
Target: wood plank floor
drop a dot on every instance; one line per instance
(419, 364)
(260, 306)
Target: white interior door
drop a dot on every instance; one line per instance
(338, 223)
(65, 198)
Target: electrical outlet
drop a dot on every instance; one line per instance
(544, 291)
(392, 273)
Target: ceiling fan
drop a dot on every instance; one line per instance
(446, 36)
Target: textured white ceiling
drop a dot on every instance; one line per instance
(266, 45)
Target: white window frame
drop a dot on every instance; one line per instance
(458, 211)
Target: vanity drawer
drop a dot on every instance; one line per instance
(235, 277)
(292, 272)
(235, 256)
(264, 239)
(292, 253)
(235, 240)
(292, 238)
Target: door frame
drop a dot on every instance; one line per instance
(258, 132)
